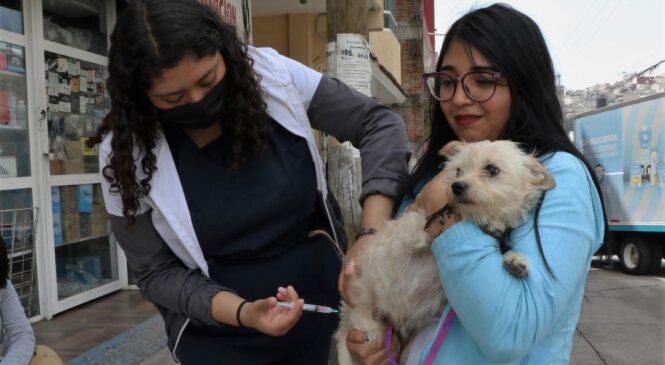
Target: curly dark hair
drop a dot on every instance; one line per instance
(151, 36)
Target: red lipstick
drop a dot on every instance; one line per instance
(466, 119)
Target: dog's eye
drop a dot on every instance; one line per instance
(492, 170)
(458, 173)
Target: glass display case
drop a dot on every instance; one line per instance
(76, 23)
(85, 258)
(77, 103)
(75, 73)
(11, 16)
(14, 144)
(18, 231)
(53, 69)
(18, 217)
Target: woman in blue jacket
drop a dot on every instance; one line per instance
(495, 80)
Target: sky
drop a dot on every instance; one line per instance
(591, 41)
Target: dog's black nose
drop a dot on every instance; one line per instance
(459, 187)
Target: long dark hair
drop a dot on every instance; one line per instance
(149, 37)
(513, 43)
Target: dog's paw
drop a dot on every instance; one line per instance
(516, 264)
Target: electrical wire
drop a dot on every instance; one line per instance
(580, 22)
(571, 47)
(606, 19)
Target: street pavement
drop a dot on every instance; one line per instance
(622, 321)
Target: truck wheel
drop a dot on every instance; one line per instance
(635, 255)
(656, 258)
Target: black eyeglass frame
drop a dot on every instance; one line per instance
(460, 80)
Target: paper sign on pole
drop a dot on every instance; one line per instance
(349, 61)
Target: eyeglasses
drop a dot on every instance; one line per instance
(477, 85)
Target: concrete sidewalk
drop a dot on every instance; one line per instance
(163, 357)
(622, 322)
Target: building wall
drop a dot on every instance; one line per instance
(301, 36)
(409, 34)
(386, 47)
(375, 17)
(271, 31)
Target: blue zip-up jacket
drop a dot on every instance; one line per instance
(501, 319)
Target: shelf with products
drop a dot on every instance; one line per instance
(77, 103)
(82, 240)
(12, 16)
(13, 88)
(13, 107)
(69, 76)
(14, 152)
(76, 23)
(71, 88)
(85, 266)
(12, 59)
(78, 214)
(12, 127)
(12, 74)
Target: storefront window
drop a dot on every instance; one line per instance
(77, 103)
(18, 232)
(76, 23)
(85, 257)
(14, 149)
(11, 17)
(15, 199)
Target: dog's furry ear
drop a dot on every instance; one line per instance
(540, 176)
(451, 149)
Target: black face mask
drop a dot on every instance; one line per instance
(199, 115)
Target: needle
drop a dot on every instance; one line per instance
(310, 307)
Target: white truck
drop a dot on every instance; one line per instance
(626, 145)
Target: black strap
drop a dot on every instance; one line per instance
(446, 209)
(540, 245)
(503, 240)
(238, 313)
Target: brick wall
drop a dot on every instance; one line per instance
(406, 9)
(412, 66)
(412, 112)
(407, 14)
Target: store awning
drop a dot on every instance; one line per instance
(384, 86)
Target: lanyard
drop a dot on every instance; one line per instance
(440, 336)
(387, 337)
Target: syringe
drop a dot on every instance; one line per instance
(310, 307)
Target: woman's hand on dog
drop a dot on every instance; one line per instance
(377, 209)
(350, 269)
(371, 353)
(431, 198)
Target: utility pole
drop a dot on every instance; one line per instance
(346, 16)
(348, 19)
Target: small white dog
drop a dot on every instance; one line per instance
(493, 183)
